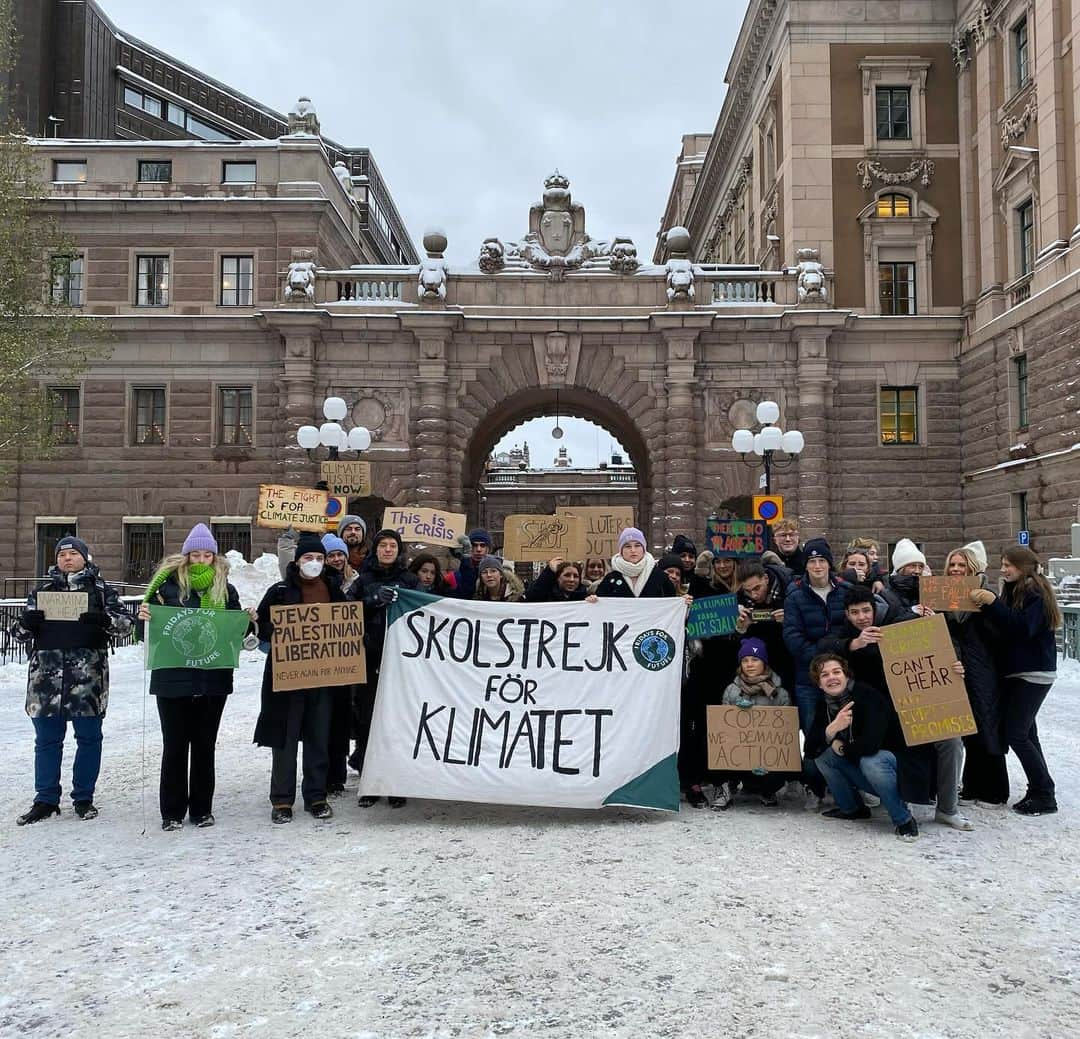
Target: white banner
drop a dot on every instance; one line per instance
(570, 705)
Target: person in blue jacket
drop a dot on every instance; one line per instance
(1026, 614)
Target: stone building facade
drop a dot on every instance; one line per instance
(927, 151)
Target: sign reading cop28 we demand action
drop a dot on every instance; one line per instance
(517, 703)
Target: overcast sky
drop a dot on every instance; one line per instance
(468, 106)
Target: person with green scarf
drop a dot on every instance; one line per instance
(190, 701)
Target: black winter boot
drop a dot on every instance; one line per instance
(85, 810)
(38, 811)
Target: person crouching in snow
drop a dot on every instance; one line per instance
(287, 718)
(755, 685)
(190, 701)
(68, 679)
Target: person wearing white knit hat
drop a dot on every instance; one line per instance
(907, 554)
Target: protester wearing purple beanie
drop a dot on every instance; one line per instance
(634, 573)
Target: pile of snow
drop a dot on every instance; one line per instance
(252, 579)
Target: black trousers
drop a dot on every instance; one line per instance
(986, 775)
(308, 722)
(340, 729)
(1022, 701)
(363, 705)
(189, 728)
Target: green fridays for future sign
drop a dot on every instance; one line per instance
(205, 639)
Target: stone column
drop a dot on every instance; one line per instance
(993, 270)
(1055, 136)
(814, 394)
(297, 406)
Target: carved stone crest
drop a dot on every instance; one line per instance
(920, 169)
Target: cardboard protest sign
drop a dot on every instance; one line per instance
(736, 537)
(929, 696)
(302, 508)
(514, 703)
(429, 526)
(63, 606)
(203, 639)
(712, 615)
(948, 593)
(536, 539)
(351, 479)
(603, 524)
(317, 644)
(753, 739)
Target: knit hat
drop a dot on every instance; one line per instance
(386, 532)
(906, 551)
(490, 563)
(629, 534)
(346, 520)
(975, 551)
(479, 537)
(332, 543)
(669, 560)
(818, 548)
(71, 541)
(683, 544)
(308, 542)
(753, 648)
(200, 540)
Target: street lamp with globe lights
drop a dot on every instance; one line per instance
(765, 444)
(331, 435)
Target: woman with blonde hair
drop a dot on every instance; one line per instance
(190, 701)
(1027, 615)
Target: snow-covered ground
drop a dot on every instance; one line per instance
(443, 919)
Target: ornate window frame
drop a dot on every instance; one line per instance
(901, 240)
(894, 70)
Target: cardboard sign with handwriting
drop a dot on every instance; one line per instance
(736, 538)
(317, 644)
(948, 593)
(63, 606)
(603, 525)
(302, 508)
(429, 526)
(712, 615)
(753, 739)
(930, 697)
(536, 539)
(351, 479)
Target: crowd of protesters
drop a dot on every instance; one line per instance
(808, 635)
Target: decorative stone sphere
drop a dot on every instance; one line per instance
(435, 240)
(678, 240)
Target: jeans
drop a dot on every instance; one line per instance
(189, 728)
(874, 773)
(309, 720)
(950, 758)
(1021, 701)
(807, 698)
(49, 736)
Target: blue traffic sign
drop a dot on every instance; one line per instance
(1023, 537)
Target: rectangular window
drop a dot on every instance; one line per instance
(206, 131)
(235, 415)
(152, 106)
(148, 415)
(65, 414)
(176, 115)
(132, 97)
(1021, 53)
(893, 113)
(153, 284)
(155, 171)
(67, 280)
(1021, 503)
(1021, 392)
(1025, 227)
(238, 173)
(899, 407)
(896, 288)
(48, 534)
(237, 277)
(69, 171)
(144, 547)
(233, 537)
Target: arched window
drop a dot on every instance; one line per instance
(895, 205)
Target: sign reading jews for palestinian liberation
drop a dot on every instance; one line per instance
(203, 639)
(513, 703)
(603, 524)
(928, 694)
(948, 593)
(734, 537)
(302, 508)
(63, 606)
(317, 644)
(350, 479)
(753, 739)
(536, 539)
(428, 526)
(712, 615)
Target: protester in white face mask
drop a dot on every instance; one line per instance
(286, 719)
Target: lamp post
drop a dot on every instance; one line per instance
(331, 435)
(767, 442)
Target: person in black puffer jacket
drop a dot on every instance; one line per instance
(559, 581)
(381, 576)
(190, 701)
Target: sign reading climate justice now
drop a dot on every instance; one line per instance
(203, 639)
(317, 644)
(512, 703)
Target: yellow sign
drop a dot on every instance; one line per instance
(302, 508)
(351, 479)
(769, 507)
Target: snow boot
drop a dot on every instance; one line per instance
(203, 821)
(725, 797)
(367, 801)
(281, 814)
(85, 810)
(908, 831)
(38, 811)
(172, 825)
(695, 797)
(1036, 804)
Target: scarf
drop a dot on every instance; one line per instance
(636, 574)
(753, 687)
(201, 579)
(834, 704)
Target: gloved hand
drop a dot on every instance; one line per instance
(744, 703)
(462, 548)
(703, 564)
(97, 618)
(387, 595)
(32, 620)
